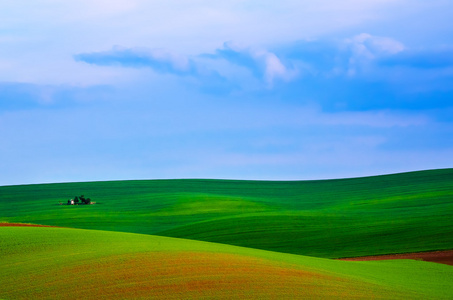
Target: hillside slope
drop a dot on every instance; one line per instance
(56, 263)
(397, 213)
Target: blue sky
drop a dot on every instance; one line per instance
(287, 90)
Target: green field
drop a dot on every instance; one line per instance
(179, 239)
(398, 213)
(60, 263)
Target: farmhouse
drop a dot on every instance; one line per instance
(81, 199)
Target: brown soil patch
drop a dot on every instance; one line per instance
(23, 225)
(442, 257)
(196, 275)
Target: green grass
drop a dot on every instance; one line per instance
(57, 263)
(327, 218)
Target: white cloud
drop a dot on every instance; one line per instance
(263, 64)
(366, 47)
(54, 28)
(274, 69)
(375, 45)
(179, 62)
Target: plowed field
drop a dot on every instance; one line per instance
(443, 257)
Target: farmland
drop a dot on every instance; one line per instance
(198, 238)
(408, 212)
(98, 264)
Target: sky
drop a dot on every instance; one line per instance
(264, 90)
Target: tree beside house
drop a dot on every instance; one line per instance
(81, 199)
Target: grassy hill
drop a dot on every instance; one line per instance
(397, 213)
(61, 263)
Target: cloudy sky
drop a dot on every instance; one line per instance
(135, 89)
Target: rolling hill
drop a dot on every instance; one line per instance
(397, 213)
(62, 263)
